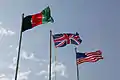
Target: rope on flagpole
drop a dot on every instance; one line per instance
(55, 53)
(77, 65)
(55, 61)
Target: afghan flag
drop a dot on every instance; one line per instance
(31, 21)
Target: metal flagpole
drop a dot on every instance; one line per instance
(77, 66)
(50, 55)
(77, 72)
(18, 57)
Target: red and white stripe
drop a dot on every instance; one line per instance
(91, 57)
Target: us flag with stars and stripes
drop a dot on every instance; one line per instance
(88, 57)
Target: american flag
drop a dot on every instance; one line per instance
(88, 57)
(62, 40)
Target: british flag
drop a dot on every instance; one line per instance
(88, 57)
(62, 40)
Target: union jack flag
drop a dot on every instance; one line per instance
(88, 57)
(62, 40)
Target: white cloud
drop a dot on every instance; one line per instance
(17, 48)
(0, 23)
(27, 56)
(43, 72)
(13, 65)
(31, 56)
(43, 60)
(60, 69)
(46, 77)
(23, 75)
(14, 61)
(11, 46)
(3, 77)
(6, 32)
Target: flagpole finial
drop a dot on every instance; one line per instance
(23, 15)
(50, 30)
(75, 49)
(77, 33)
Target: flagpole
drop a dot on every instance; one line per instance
(55, 62)
(77, 66)
(18, 57)
(50, 55)
(77, 72)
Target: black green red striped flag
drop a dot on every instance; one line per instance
(31, 21)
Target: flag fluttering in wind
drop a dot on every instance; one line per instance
(31, 21)
(88, 57)
(61, 40)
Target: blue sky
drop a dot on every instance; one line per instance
(97, 22)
